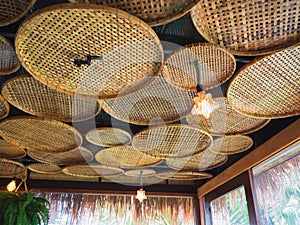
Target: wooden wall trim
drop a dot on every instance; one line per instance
(280, 141)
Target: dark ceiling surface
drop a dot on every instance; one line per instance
(173, 35)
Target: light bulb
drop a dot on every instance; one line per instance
(141, 195)
(204, 105)
(11, 186)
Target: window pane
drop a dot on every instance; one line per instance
(230, 209)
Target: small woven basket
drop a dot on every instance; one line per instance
(4, 108)
(10, 168)
(91, 171)
(9, 62)
(9, 151)
(183, 175)
(44, 168)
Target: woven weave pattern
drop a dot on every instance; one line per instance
(8, 168)
(91, 171)
(4, 107)
(171, 141)
(183, 175)
(9, 151)
(214, 64)
(9, 62)
(249, 27)
(125, 49)
(44, 168)
(273, 86)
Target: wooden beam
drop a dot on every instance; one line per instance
(280, 141)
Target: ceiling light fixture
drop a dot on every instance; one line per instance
(141, 194)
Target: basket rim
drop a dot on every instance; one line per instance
(118, 171)
(152, 172)
(44, 172)
(161, 174)
(9, 44)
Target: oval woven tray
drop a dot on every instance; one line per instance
(213, 63)
(206, 160)
(125, 157)
(4, 108)
(40, 134)
(172, 141)
(8, 168)
(272, 89)
(78, 155)
(108, 137)
(157, 103)
(232, 144)
(183, 175)
(35, 98)
(91, 171)
(226, 121)
(44, 168)
(95, 51)
(9, 62)
(12, 10)
(137, 173)
(153, 12)
(248, 27)
(9, 151)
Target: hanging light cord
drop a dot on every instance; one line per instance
(199, 86)
(141, 178)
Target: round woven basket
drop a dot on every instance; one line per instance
(233, 144)
(9, 151)
(226, 121)
(137, 173)
(208, 62)
(172, 141)
(183, 175)
(153, 12)
(272, 89)
(10, 168)
(248, 27)
(13, 10)
(108, 137)
(96, 51)
(35, 98)
(157, 103)
(91, 171)
(39, 134)
(44, 168)
(4, 108)
(78, 155)
(9, 62)
(125, 157)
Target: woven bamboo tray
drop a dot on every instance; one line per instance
(78, 155)
(8, 168)
(44, 168)
(214, 64)
(172, 141)
(91, 171)
(226, 121)
(9, 151)
(183, 175)
(272, 89)
(137, 173)
(9, 62)
(96, 51)
(13, 10)
(157, 103)
(153, 12)
(248, 27)
(4, 108)
(108, 137)
(35, 98)
(232, 144)
(125, 157)
(39, 134)
(206, 160)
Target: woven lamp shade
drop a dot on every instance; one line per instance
(91, 171)
(157, 103)
(38, 134)
(9, 62)
(272, 89)
(171, 141)
(8, 168)
(226, 121)
(78, 155)
(35, 98)
(206, 160)
(13, 10)
(88, 50)
(183, 175)
(108, 137)
(153, 12)
(4, 107)
(248, 27)
(137, 173)
(9, 151)
(44, 168)
(214, 64)
(125, 157)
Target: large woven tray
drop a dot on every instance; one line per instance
(35, 98)
(157, 103)
(4, 107)
(183, 175)
(8, 168)
(9, 151)
(172, 141)
(153, 12)
(44, 168)
(248, 27)
(226, 121)
(272, 89)
(13, 10)
(137, 173)
(213, 63)
(125, 157)
(92, 171)
(38, 134)
(121, 49)
(9, 62)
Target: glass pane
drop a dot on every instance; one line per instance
(230, 209)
